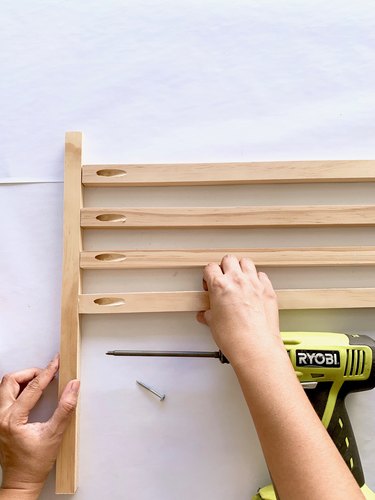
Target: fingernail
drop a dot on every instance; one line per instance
(74, 386)
(55, 360)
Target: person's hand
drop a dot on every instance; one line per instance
(243, 314)
(29, 450)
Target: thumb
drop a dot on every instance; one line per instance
(204, 317)
(65, 409)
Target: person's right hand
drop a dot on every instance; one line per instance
(29, 450)
(243, 314)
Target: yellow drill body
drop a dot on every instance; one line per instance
(330, 366)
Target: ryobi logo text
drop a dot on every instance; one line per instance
(328, 359)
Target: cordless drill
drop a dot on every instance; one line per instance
(330, 366)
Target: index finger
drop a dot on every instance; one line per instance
(230, 264)
(34, 389)
(11, 382)
(211, 272)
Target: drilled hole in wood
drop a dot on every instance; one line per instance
(111, 218)
(110, 257)
(111, 172)
(109, 301)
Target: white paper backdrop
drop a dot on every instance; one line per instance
(162, 82)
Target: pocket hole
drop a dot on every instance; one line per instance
(111, 218)
(111, 172)
(109, 301)
(110, 257)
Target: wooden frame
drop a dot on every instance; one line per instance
(66, 465)
(77, 218)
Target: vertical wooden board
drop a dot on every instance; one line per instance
(66, 465)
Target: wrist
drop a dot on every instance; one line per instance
(266, 372)
(259, 353)
(20, 491)
(13, 494)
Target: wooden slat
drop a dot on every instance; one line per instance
(226, 217)
(190, 174)
(270, 257)
(66, 465)
(142, 302)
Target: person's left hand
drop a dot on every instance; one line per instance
(29, 450)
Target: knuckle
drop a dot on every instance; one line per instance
(68, 407)
(7, 378)
(259, 289)
(238, 279)
(12, 425)
(270, 293)
(217, 282)
(208, 269)
(247, 260)
(34, 385)
(4, 425)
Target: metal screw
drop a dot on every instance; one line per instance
(160, 396)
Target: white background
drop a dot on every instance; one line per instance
(174, 81)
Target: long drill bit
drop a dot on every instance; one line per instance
(173, 354)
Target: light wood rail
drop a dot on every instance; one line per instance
(268, 257)
(194, 174)
(228, 217)
(151, 302)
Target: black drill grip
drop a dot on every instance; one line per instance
(341, 432)
(339, 427)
